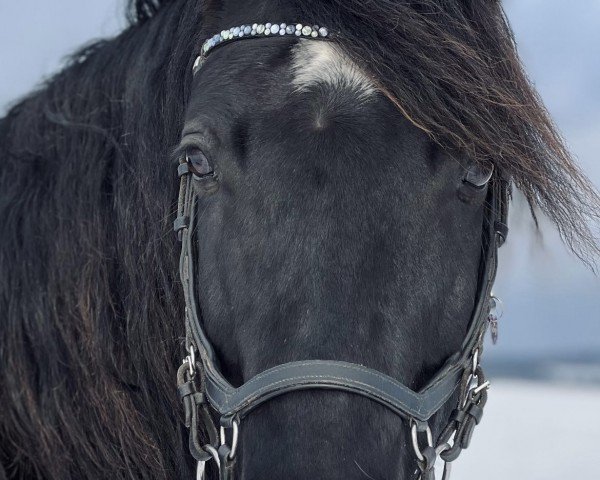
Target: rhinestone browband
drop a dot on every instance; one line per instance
(260, 30)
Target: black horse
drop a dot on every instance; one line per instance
(344, 221)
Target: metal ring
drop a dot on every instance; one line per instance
(468, 390)
(234, 437)
(415, 440)
(498, 305)
(475, 362)
(191, 359)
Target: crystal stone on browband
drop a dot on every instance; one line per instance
(263, 30)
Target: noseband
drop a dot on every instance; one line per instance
(202, 386)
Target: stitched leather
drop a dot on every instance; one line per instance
(336, 375)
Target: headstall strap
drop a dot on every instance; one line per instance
(201, 385)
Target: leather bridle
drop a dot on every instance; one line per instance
(202, 387)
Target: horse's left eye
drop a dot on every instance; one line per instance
(198, 162)
(478, 176)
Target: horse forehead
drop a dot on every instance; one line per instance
(320, 62)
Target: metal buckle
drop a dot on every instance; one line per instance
(474, 387)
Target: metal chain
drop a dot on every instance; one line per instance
(235, 428)
(426, 455)
(457, 434)
(467, 416)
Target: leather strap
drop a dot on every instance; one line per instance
(294, 376)
(231, 402)
(323, 374)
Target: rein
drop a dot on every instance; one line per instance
(202, 387)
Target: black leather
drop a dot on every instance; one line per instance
(303, 375)
(183, 169)
(294, 376)
(320, 374)
(181, 223)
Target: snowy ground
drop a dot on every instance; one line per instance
(535, 431)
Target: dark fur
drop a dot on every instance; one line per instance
(89, 295)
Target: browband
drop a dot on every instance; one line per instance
(259, 30)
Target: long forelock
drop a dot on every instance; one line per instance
(453, 70)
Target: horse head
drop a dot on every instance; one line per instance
(328, 227)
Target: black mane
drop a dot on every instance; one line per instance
(141, 10)
(89, 268)
(89, 293)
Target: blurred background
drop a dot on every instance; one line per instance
(543, 417)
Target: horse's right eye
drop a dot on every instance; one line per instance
(198, 162)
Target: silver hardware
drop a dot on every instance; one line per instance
(497, 305)
(414, 434)
(475, 363)
(471, 382)
(496, 312)
(234, 438)
(484, 386)
(191, 360)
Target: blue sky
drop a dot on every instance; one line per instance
(552, 303)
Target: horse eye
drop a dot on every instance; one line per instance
(199, 164)
(478, 176)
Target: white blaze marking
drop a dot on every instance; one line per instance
(316, 62)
